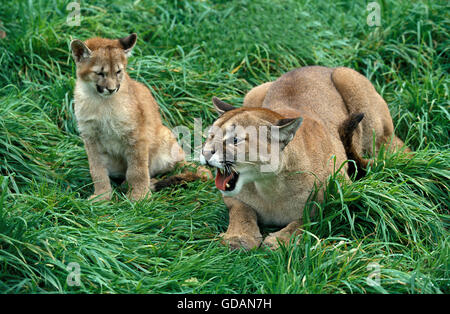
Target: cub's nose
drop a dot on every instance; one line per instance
(112, 90)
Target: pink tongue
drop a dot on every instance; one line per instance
(221, 180)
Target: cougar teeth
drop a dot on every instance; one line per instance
(227, 185)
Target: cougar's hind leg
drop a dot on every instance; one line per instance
(169, 156)
(360, 96)
(166, 154)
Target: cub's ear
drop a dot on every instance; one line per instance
(221, 106)
(128, 43)
(80, 51)
(287, 129)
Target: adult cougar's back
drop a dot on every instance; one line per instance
(332, 94)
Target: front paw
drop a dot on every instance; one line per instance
(275, 239)
(137, 195)
(244, 241)
(100, 197)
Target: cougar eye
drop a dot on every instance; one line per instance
(100, 74)
(118, 72)
(236, 140)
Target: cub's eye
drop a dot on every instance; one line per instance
(100, 74)
(118, 72)
(236, 140)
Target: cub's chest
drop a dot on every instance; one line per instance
(106, 123)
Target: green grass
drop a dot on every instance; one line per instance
(188, 51)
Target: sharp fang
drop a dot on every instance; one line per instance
(227, 185)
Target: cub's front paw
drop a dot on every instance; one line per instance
(275, 239)
(139, 195)
(244, 241)
(100, 197)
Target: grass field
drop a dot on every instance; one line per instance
(390, 227)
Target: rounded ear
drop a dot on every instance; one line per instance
(287, 129)
(80, 51)
(128, 43)
(221, 106)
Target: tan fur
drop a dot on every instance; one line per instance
(121, 126)
(360, 96)
(325, 98)
(255, 97)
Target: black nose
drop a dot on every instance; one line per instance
(111, 90)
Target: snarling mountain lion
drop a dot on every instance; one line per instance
(318, 118)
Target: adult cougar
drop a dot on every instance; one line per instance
(119, 121)
(314, 113)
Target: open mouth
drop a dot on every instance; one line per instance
(226, 179)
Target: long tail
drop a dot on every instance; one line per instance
(346, 132)
(178, 179)
(181, 179)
